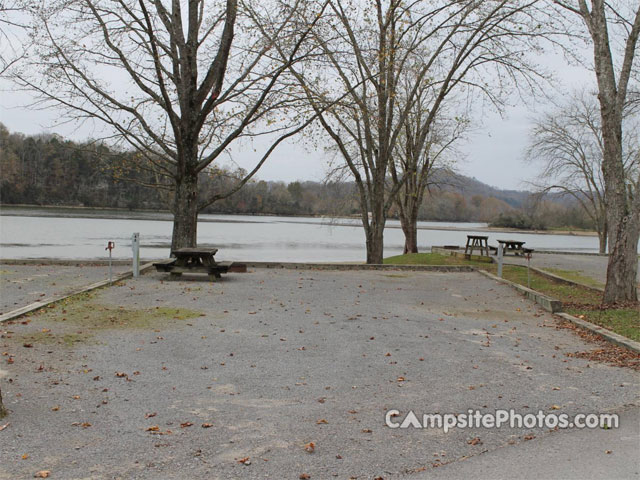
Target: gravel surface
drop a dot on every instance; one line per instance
(268, 357)
(21, 285)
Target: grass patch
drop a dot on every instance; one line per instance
(430, 259)
(579, 301)
(78, 319)
(562, 291)
(575, 276)
(624, 321)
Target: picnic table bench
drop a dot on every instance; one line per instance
(477, 242)
(514, 246)
(193, 260)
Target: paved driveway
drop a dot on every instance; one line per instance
(275, 361)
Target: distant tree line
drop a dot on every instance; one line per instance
(48, 170)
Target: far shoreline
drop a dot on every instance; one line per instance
(75, 211)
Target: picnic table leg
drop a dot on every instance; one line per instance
(214, 276)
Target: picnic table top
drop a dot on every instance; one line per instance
(518, 242)
(478, 236)
(195, 251)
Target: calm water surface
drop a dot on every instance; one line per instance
(80, 234)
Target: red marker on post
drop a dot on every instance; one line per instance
(110, 246)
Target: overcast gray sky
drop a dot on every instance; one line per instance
(494, 153)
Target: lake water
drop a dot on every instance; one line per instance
(81, 234)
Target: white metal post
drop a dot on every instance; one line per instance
(110, 268)
(135, 245)
(500, 258)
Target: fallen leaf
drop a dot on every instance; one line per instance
(2, 427)
(322, 421)
(25, 456)
(244, 461)
(304, 476)
(42, 474)
(310, 447)
(529, 437)
(153, 428)
(207, 425)
(186, 424)
(150, 415)
(475, 441)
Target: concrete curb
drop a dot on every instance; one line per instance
(550, 304)
(5, 317)
(607, 334)
(359, 266)
(67, 262)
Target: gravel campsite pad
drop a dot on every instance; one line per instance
(284, 374)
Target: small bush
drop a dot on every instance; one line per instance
(517, 220)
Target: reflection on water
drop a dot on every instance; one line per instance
(252, 238)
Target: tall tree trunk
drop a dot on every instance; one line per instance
(622, 220)
(622, 270)
(185, 213)
(375, 243)
(375, 230)
(602, 238)
(409, 224)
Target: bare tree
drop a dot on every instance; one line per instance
(367, 48)
(422, 148)
(568, 142)
(179, 82)
(613, 30)
(486, 57)
(13, 33)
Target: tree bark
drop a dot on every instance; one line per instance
(374, 227)
(409, 224)
(185, 212)
(622, 270)
(602, 238)
(375, 244)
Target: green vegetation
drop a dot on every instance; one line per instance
(624, 321)
(78, 319)
(562, 291)
(575, 276)
(579, 301)
(430, 259)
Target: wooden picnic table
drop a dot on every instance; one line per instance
(514, 246)
(477, 241)
(193, 260)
